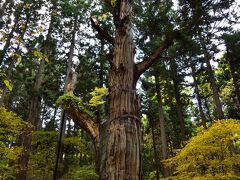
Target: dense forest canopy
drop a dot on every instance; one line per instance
(119, 89)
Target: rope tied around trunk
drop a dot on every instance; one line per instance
(128, 116)
(116, 89)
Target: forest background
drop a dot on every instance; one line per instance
(57, 54)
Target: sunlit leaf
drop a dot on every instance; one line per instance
(7, 84)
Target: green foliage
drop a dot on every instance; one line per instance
(68, 100)
(113, 3)
(40, 55)
(98, 97)
(11, 126)
(7, 84)
(5, 81)
(212, 154)
(73, 145)
(43, 155)
(10, 123)
(81, 173)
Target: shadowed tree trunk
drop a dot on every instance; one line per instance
(215, 91)
(155, 149)
(235, 76)
(197, 92)
(176, 141)
(3, 7)
(208, 113)
(177, 96)
(33, 116)
(7, 44)
(166, 170)
(13, 61)
(216, 96)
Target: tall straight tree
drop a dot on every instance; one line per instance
(232, 56)
(166, 170)
(33, 116)
(13, 60)
(212, 79)
(17, 15)
(179, 104)
(197, 92)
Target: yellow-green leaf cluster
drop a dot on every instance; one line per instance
(7, 84)
(11, 126)
(98, 97)
(40, 55)
(10, 123)
(113, 3)
(212, 154)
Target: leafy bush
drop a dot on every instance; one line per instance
(43, 155)
(11, 126)
(81, 173)
(212, 154)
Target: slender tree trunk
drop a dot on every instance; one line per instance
(71, 53)
(101, 73)
(12, 63)
(3, 7)
(155, 152)
(177, 95)
(10, 35)
(197, 92)
(68, 87)
(166, 170)
(176, 142)
(207, 109)
(215, 91)
(33, 116)
(216, 96)
(235, 76)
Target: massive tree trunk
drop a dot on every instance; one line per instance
(121, 159)
(199, 100)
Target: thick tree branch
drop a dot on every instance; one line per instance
(152, 58)
(83, 118)
(102, 32)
